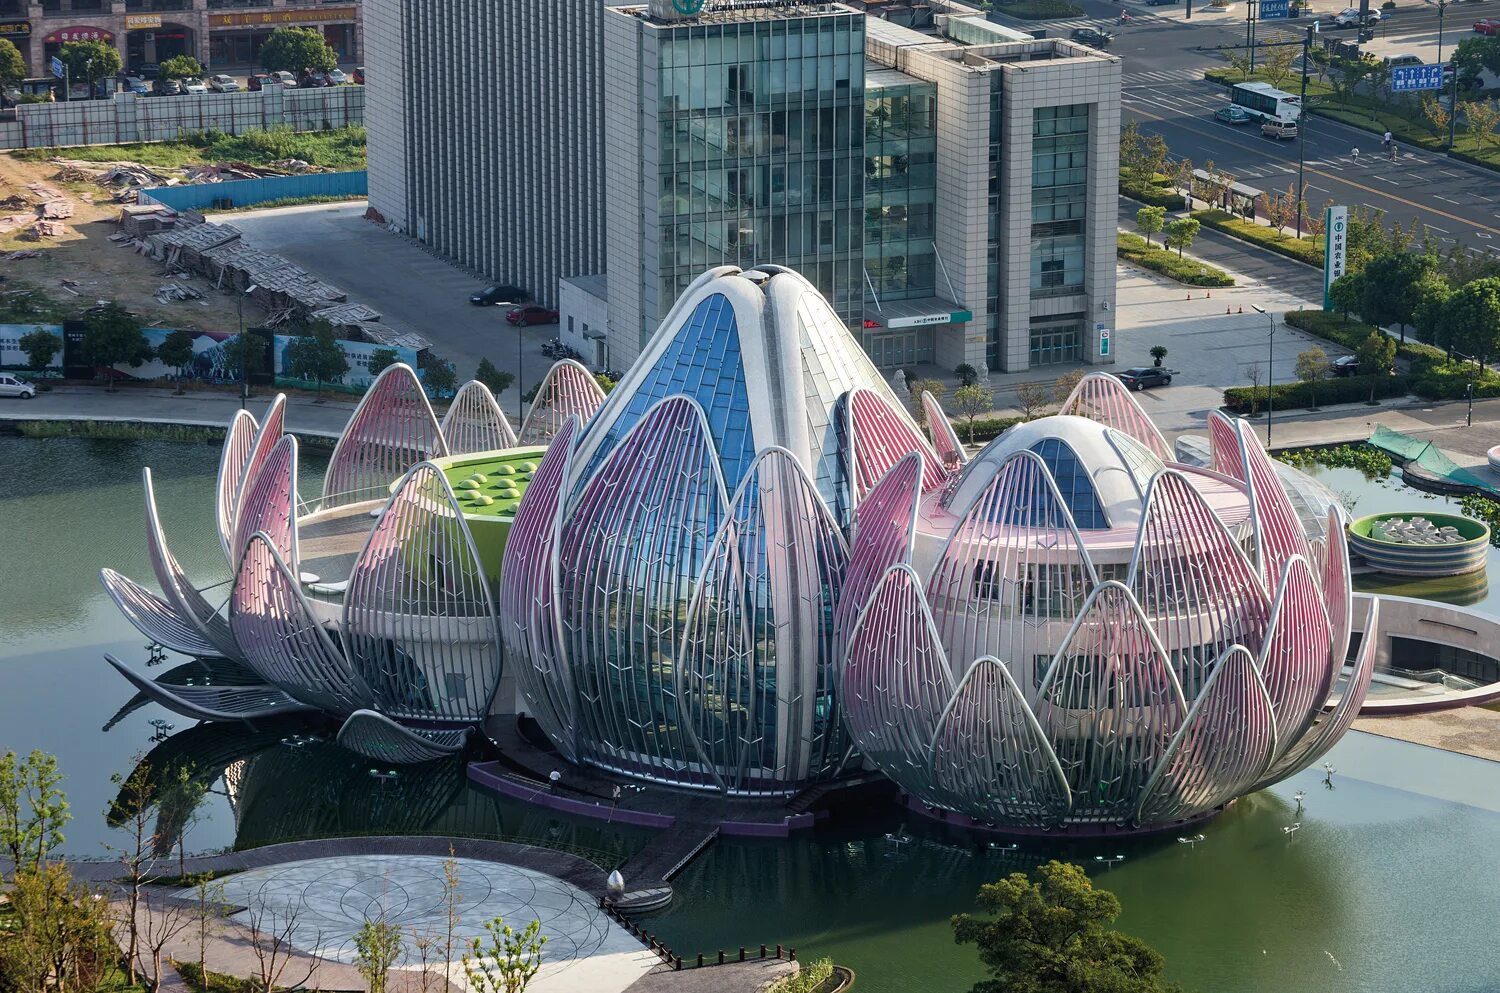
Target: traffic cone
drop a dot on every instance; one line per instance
(1210, 294)
(1190, 296)
(1242, 309)
(1226, 308)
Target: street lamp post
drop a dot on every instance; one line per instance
(1302, 118)
(520, 378)
(1270, 371)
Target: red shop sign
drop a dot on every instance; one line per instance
(80, 34)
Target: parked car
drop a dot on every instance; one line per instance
(1349, 18)
(1160, 3)
(1487, 25)
(1232, 115)
(491, 295)
(1092, 37)
(359, 75)
(1144, 377)
(1344, 365)
(1280, 130)
(12, 386)
(1398, 61)
(194, 85)
(135, 84)
(259, 81)
(167, 88)
(284, 78)
(312, 80)
(531, 314)
(337, 78)
(223, 84)
(146, 70)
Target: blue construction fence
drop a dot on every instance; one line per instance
(249, 192)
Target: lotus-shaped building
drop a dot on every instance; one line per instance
(1076, 632)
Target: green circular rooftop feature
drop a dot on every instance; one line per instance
(1421, 544)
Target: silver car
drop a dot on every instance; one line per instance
(223, 84)
(10, 386)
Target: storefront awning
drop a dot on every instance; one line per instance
(921, 312)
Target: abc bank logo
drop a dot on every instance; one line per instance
(689, 7)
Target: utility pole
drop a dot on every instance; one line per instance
(1251, 7)
(1302, 118)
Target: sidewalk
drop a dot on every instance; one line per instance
(304, 415)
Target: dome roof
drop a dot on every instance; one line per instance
(1102, 473)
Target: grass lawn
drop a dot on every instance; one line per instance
(1307, 249)
(1184, 269)
(341, 148)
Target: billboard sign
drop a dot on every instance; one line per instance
(1335, 247)
(1412, 79)
(1103, 339)
(1275, 10)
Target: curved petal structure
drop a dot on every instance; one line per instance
(239, 440)
(213, 703)
(419, 619)
(190, 606)
(1338, 595)
(632, 551)
(1326, 732)
(1012, 566)
(282, 639)
(380, 739)
(879, 437)
(883, 529)
(1225, 744)
(270, 503)
(530, 628)
(475, 423)
(1295, 659)
(392, 429)
(945, 441)
(1281, 534)
(1225, 446)
(1103, 398)
(755, 670)
(569, 390)
(990, 758)
(897, 682)
(153, 617)
(1109, 705)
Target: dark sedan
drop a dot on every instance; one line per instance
(1145, 377)
(490, 296)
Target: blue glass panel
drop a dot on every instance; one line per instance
(1073, 483)
(702, 362)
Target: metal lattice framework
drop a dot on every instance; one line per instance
(569, 390)
(270, 503)
(631, 553)
(419, 618)
(239, 440)
(392, 429)
(754, 674)
(1101, 397)
(153, 616)
(281, 637)
(945, 441)
(530, 628)
(1050, 676)
(884, 527)
(475, 423)
(272, 427)
(879, 437)
(213, 703)
(376, 737)
(191, 607)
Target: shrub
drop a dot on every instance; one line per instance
(1363, 456)
(990, 428)
(808, 978)
(1037, 10)
(1301, 395)
(1156, 194)
(1132, 248)
(1303, 250)
(1433, 375)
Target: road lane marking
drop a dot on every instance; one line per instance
(1434, 227)
(1438, 196)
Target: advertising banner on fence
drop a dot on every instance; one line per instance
(208, 364)
(1335, 247)
(356, 353)
(12, 359)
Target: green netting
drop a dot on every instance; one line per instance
(1428, 457)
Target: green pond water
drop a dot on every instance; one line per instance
(1388, 884)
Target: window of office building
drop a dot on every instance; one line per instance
(994, 347)
(1059, 197)
(761, 150)
(1056, 339)
(900, 188)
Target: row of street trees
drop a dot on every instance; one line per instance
(1410, 290)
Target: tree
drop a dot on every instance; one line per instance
(297, 50)
(1388, 292)
(271, 945)
(56, 935)
(1239, 61)
(210, 909)
(1346, 292)
(1052, 936)
(89, 61)
(318, 356)
(1182, 178)
(176, 351)
(1377, 357)
(919, 386)
(1480, 118)
(1436, 114)
(1150, 220)
(163, 918)
(497, 381)
(1279, 59)
(382, 359)
(510, 960)
(41, 347)
(1032, 399)
(33, 809)
(1255, 373)
(181, 67)
(181, 804)
(1472, 314)
(112, 336)
(1132, 153)
(1312, 366)
(967, 374)
(438, 375)
(1158, 352)
(1431, 294)
(1154, 156)
(1181, 232)
(132, 810)
(377, 946)
(971, 401)
(244, 355)
(1475, 55)
(12, 65)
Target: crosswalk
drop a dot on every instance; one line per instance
(1134, 80)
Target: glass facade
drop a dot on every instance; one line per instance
(994, 324)
(1059, 195)
(761, 130)
(1057, 339)
(900, 189)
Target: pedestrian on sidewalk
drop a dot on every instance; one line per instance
(1355, 153)
(1386, 141)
